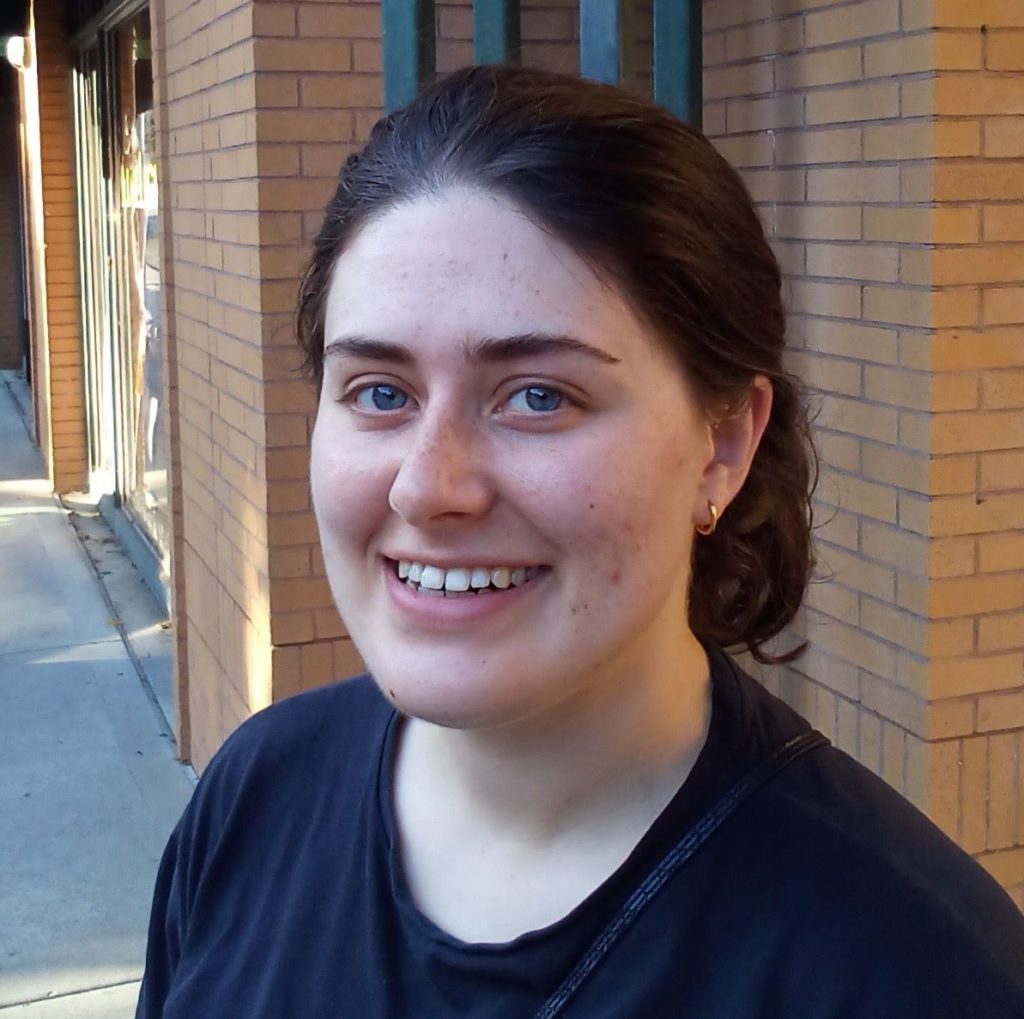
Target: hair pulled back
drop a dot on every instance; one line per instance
(651, 205)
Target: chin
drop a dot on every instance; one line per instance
(454, 694)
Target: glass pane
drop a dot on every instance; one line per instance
(146, 457)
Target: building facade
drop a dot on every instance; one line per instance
(174, 158)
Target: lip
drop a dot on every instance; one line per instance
(431, 612)
(464, 562)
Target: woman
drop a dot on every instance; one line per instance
(557, 466)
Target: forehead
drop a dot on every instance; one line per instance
(466, 264)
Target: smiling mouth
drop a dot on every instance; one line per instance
(461, 581)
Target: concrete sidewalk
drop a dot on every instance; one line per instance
(89, 785)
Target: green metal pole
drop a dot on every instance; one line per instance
(679, 58)
(496, 36)
(606, 41)
(409, 43)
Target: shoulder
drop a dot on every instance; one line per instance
(872, 880)
(334, 732)
(328, 713)
(895, 895)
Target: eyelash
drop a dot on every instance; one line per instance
(565, 400)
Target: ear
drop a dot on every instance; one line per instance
(734, 441)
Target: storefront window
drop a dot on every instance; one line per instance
(121, 279)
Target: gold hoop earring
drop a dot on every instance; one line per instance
(709, 527)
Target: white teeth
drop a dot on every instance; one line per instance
(456, 580)
(461, 579)
(432, 578)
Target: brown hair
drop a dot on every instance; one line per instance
(648, 201)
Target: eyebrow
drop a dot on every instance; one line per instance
(487, 350)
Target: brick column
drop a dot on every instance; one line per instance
(876, 138)
(260, 102)
(59, 388)
(976, 442)
(10, 222)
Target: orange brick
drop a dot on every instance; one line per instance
(967, 432)
(967, 349)
(329, 92)
(1003, 306)
(895, 625)
(1004, 790)
(977, 95)
(973, 181)
(1001, 711)
(894, 547)
(742, 115)
(780, 35)
(832, 599)
(828, 145)
(965, 596)
(898, 387)
(339, 21)
(836, 222)
(840, 300)
(856, 103)
(303, 54)
(1004, 137)
(973, 794)
(1002, 389)
(921, 140)
(898, 305)
(858, 574)
(856, 21)
(1001, 632)
(950, 638)
(1004, 50)
(870, 421)
(997, 263)
(273, 19)
(738, 80)
(747, 150)
(999, 552)
(826, 373)
(727, 13)
(808, 70)
(841, 452)
(853, 261)
(851, 644)
(906, 468)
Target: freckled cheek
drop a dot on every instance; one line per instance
(350, 496)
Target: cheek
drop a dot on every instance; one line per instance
(630, 516)
(350, 489)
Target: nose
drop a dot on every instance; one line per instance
(442, 476)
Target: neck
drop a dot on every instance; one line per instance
(625, 742)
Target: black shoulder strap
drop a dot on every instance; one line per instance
(716, 815)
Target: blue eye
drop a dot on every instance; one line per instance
(539, 399)
(380, 397)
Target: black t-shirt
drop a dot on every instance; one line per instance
(281, 893)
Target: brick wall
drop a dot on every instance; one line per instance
(975, 436)
(259, 105)
(10, 223)
(171, 421)
(895, 212)
(61, 389)
(878, 146)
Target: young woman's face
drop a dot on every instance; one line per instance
(496, 414)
